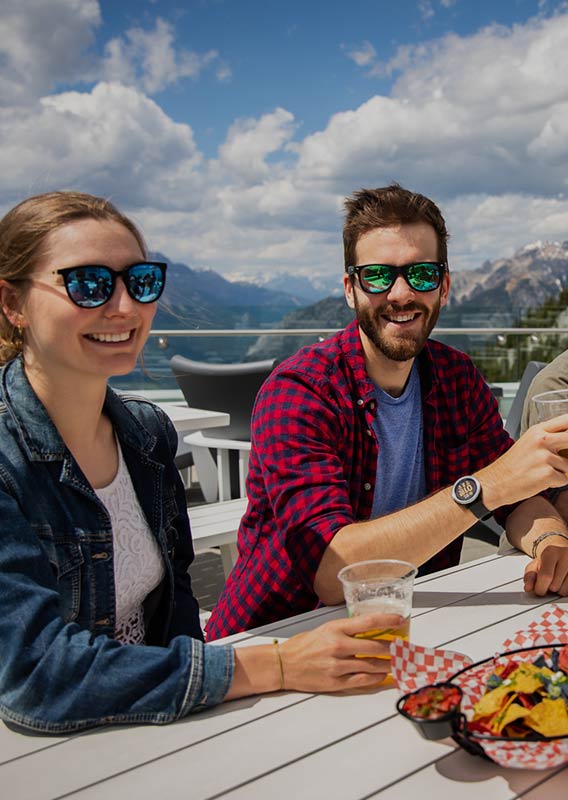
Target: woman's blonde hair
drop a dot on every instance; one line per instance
(23, 232)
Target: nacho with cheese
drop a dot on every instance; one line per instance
(523, 698)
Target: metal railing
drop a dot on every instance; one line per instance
(500, 352)
(330, 331)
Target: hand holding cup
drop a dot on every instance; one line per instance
(381, 586)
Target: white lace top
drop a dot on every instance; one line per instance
(138, 565)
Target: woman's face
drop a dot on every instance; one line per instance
(64, 340)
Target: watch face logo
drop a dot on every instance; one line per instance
(466, 490)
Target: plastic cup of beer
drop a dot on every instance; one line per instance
(552, 404)
(381, 586)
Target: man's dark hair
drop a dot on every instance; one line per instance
(368, 209)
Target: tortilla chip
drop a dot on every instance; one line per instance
(513, 711)
(549, 718)
(491, 702)
(527, 679)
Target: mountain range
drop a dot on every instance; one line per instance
(495, 294)
(533, 274)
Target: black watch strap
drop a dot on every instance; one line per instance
(467, 492)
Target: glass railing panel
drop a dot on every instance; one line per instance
(501, 354)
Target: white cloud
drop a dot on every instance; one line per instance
(224, 73)
(484, 114)
(112, 141)
(43, 44)
(250, 141)
(426, 9)
(150, 60)
(485, 227)
(364, 55)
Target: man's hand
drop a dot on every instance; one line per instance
(531, 465)
(549, 571)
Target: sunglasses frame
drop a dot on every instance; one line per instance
(395, 272)
(114, 275)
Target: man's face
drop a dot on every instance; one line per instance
(397, 322)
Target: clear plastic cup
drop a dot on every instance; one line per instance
(380, 586)
(552, 404)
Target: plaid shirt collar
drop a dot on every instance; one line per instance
(352, 349)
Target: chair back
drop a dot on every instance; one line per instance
(222, 387)
(515, 415)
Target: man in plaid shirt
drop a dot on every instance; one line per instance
(382, 443)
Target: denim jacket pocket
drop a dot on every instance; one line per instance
(65, 557)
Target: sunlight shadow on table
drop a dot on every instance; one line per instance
(465, 768)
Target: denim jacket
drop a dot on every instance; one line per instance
(60, 668)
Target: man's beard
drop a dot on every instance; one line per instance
(403, 346)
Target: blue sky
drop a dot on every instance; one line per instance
(233, 129)
(296, 54)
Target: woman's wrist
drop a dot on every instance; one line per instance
(256, 671)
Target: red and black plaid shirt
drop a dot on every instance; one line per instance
(313, 465)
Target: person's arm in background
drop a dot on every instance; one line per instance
(548, 540)
(549, 570)
(551, 378)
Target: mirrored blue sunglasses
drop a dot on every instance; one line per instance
(422, 276)
(91, 286)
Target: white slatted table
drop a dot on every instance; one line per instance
(299, 746)
(186, 418)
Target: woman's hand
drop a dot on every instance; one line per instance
(327, 659)
(324, 660)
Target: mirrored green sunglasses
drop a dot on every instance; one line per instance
(422, 276)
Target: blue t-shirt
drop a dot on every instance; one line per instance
(400, 465)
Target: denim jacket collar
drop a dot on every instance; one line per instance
(39, 435)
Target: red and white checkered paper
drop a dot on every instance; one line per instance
(414, 666)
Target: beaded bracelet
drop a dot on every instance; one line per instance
(279, 658)
(544, 536)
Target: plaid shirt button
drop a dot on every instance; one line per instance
(367, 487)
(359, 402)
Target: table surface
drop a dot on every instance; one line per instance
(186, 418)
(290, 745)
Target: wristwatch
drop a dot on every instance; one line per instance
(467, 492)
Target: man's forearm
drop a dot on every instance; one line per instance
(412, 534)
(416, 533)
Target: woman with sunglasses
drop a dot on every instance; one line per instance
(98, 623)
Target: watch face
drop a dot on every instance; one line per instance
(466, 490)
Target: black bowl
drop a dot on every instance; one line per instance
(439, 727)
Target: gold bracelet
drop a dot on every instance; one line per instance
(280, 667)
(544, 536)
